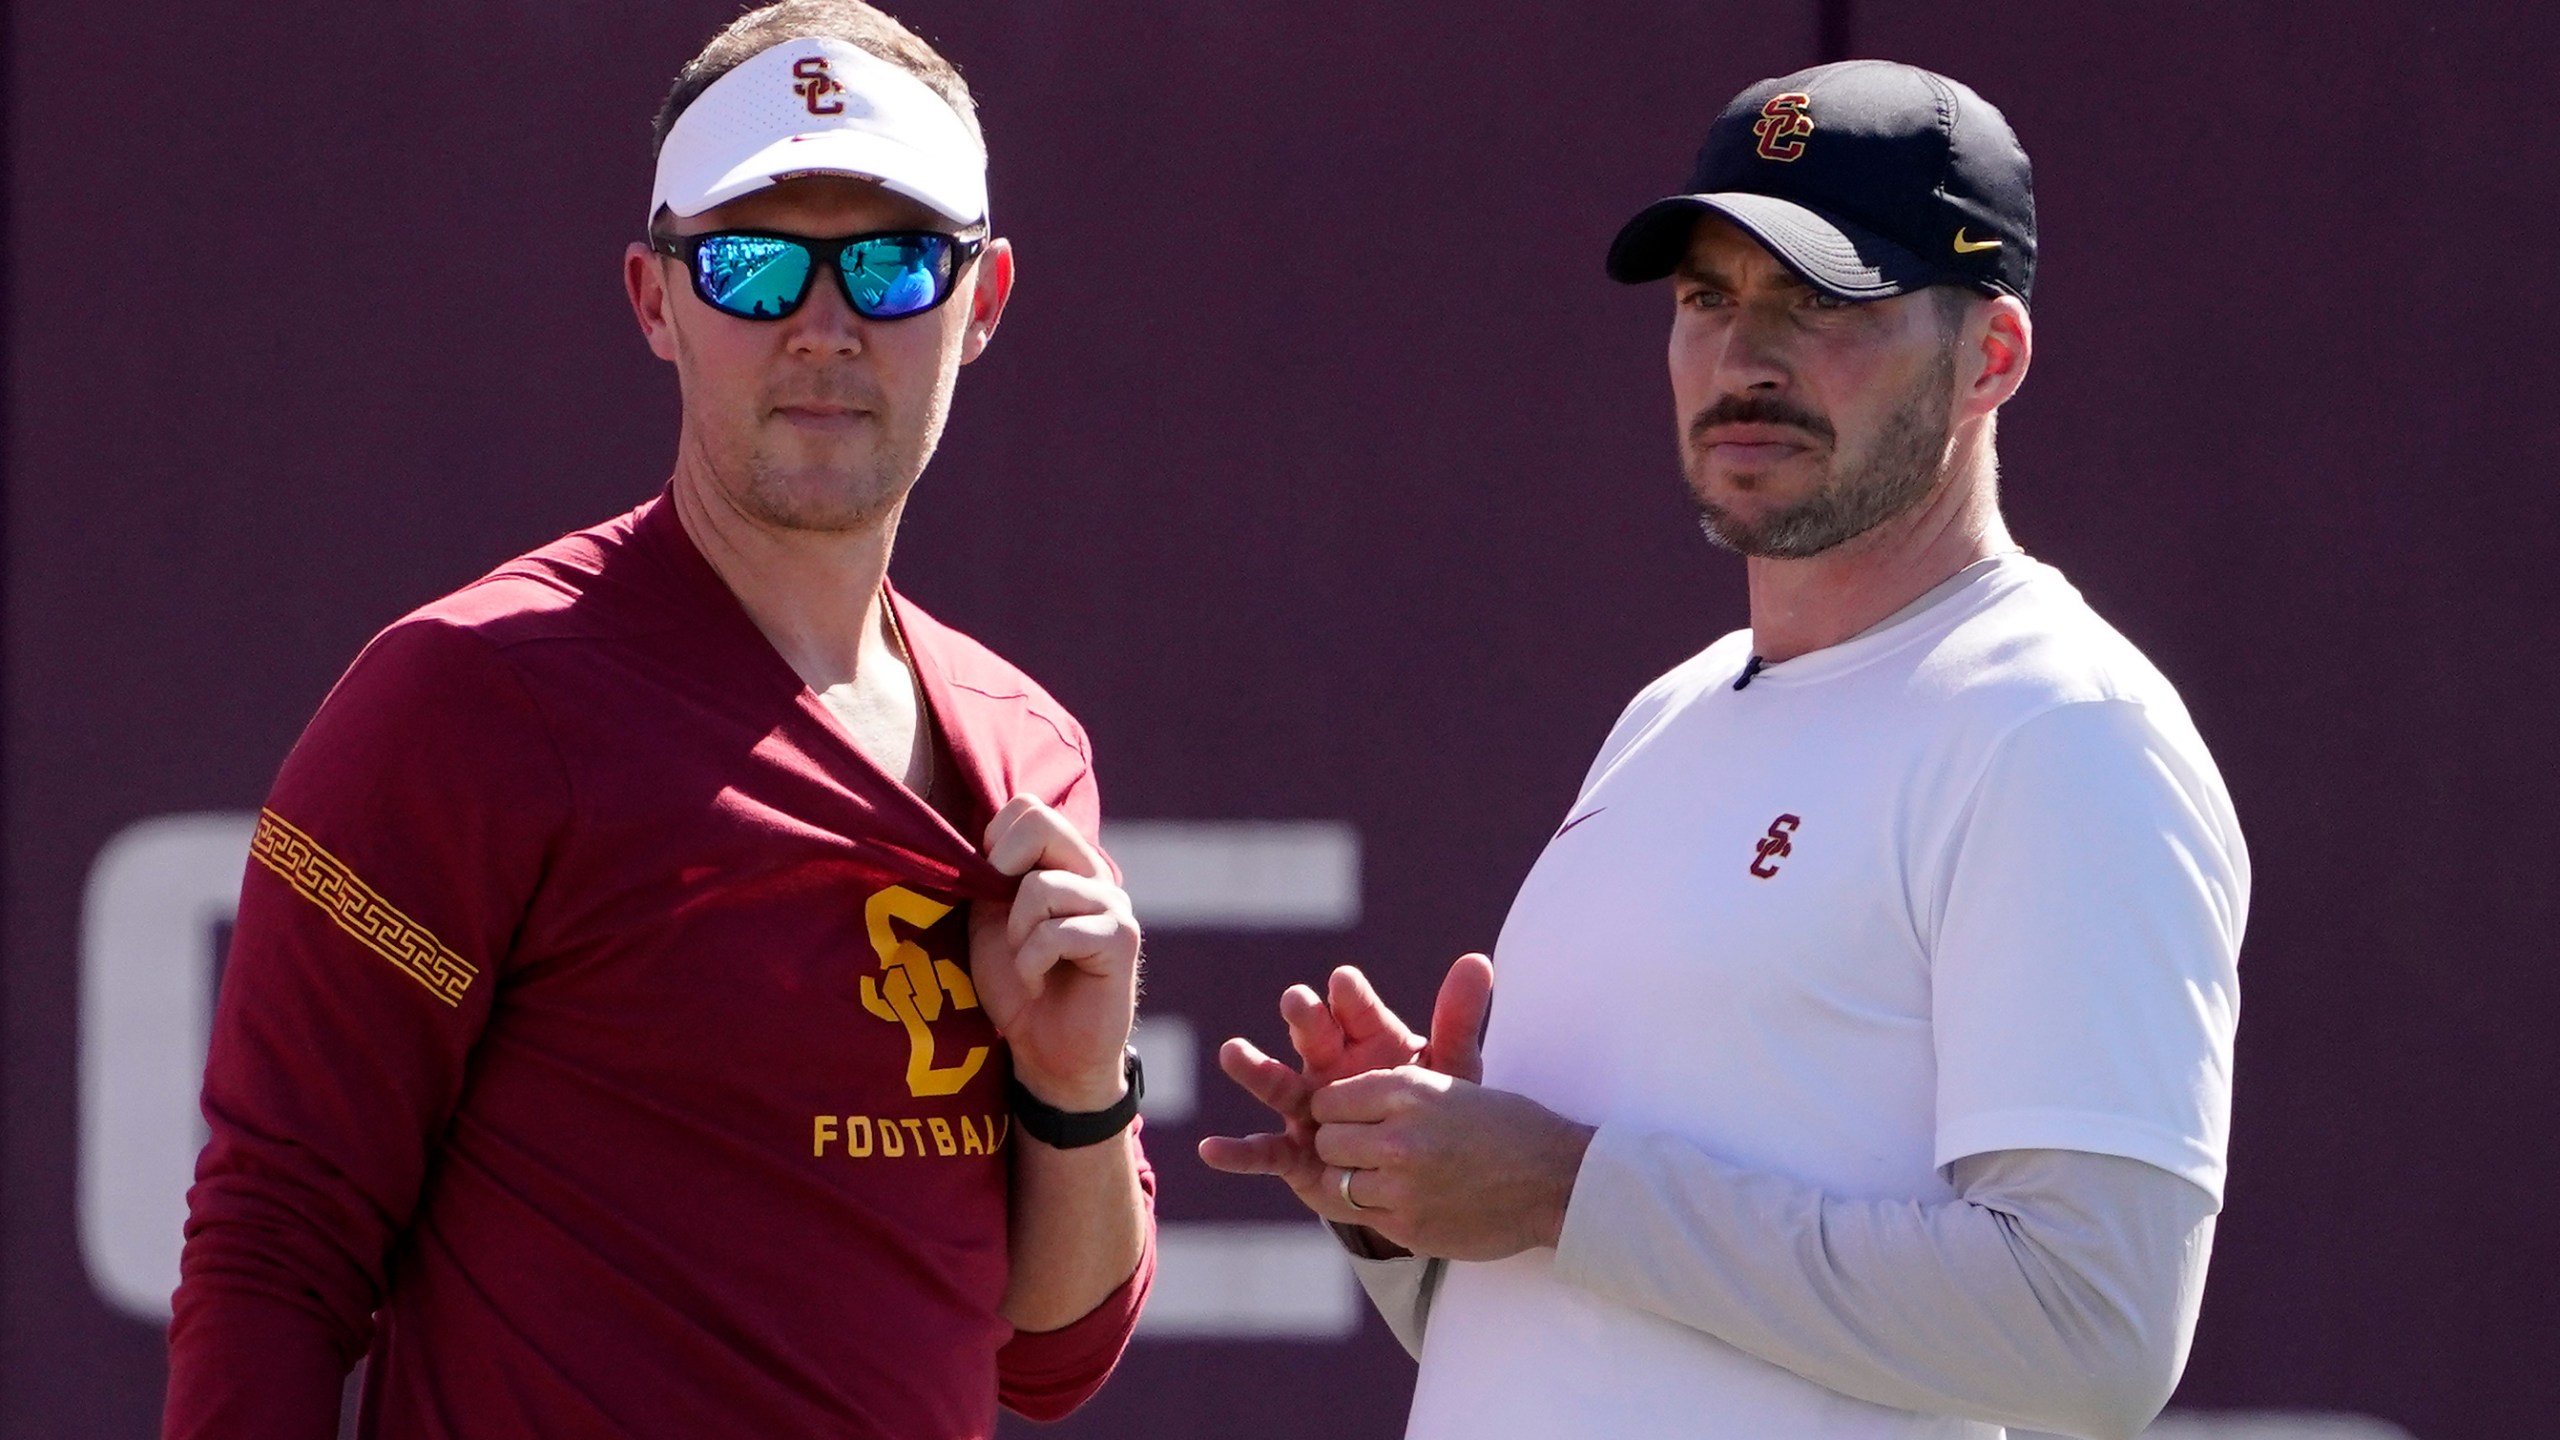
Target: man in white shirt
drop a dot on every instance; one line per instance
(1864, 1062)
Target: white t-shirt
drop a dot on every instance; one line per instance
(1968, 882)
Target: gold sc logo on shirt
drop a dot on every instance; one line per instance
(915, 988)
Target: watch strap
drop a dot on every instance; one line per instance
(1073, 1130)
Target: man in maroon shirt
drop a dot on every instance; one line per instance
(677, 990)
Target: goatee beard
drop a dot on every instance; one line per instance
(1908, 461)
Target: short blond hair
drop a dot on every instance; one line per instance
(851, 21)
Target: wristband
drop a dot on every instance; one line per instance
(1073, 1130)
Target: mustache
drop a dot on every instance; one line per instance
(851, 391)
(1758, 410)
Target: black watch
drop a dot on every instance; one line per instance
(1069, 1130)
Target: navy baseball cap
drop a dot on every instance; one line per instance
(1867, 178)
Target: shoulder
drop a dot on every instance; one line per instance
(2031, 644)
(1683, 684)
(2068, 710)
(474, 651)
(1670, 693)
(1690, 677)
(441, 664)
(430, 697)
(577, 587)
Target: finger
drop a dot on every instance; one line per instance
(1355, 1194)
(1264, 1078)
(1097, 945)
(1356, 1147)
(1458, 1016)
(1312, 1030)
(1003, 821)
(992, 964)
(1028, 835)
(1363, 1016)
(1252, 1154)
(1052, 894)
(1369, 1097)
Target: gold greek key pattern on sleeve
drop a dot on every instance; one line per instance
(325, 881)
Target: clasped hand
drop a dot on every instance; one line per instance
(1058, 969)
(1389, 1130)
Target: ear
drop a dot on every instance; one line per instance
(645, 281)
(990, 286)
(2001, 338)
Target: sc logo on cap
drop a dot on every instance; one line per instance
(1783, 124)
(816, 85)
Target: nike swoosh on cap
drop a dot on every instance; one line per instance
(1968, 247)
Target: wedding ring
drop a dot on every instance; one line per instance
(1345, 1188)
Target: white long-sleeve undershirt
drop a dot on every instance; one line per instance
(2058, 1291)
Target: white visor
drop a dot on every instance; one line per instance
(819, 106)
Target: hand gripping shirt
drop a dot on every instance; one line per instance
(597, 1047)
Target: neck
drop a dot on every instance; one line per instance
(816, 595)
(1800, 606)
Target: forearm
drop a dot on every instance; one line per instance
(2058, 1293)
(1083, 1258)
(246, 1364)
(1080, 1222)
(283, 1266)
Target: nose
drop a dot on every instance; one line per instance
(1752, 356)
(825, 324)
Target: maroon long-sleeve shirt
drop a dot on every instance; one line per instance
(597, 1049)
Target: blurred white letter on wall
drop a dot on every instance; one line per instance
(157, 895)
(1239, 875)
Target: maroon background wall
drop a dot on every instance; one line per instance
(1321, 471)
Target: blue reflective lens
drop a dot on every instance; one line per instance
(752, 276)
(894, 276)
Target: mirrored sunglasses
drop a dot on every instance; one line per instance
(888, 275)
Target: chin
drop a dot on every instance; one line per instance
(1749, 515)
(1750, 495)
(829, 500)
